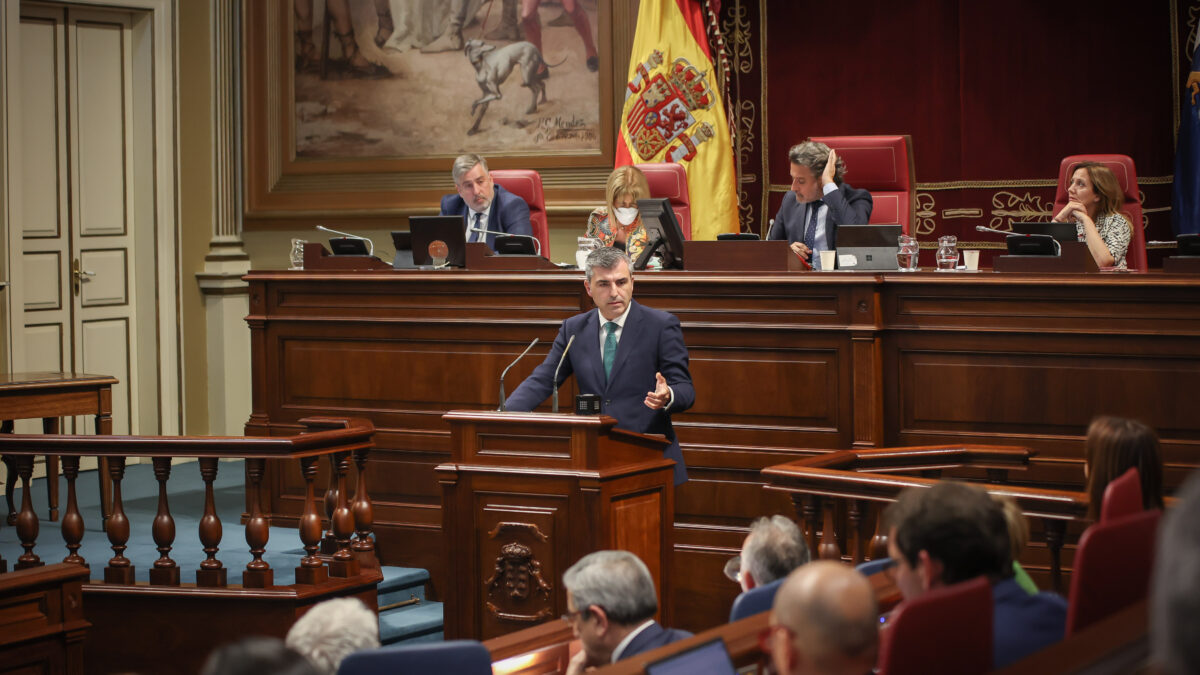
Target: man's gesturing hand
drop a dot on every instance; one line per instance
(660, 396)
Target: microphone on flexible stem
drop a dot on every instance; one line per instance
(556, 369)
(770, 228)
(531, 344)
(370, 244)
(537, 245)
(983, 228)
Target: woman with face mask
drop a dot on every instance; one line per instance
(618, 224)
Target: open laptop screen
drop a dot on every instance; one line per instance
(1060, 231)
(450, 230)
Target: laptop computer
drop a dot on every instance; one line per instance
(711, 658)
(1060, 231)
(867, 247)
(449, 230)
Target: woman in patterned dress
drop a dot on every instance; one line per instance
(1095, 206)
(619, 224)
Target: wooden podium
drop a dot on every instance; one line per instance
(526, 495)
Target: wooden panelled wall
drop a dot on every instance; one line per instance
(784, 365)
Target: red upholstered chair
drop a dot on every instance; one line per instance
(527, 184)
(1122, 167)
(1112, 568)
(668, 179)
(884, 166)
(947, 630)
(1122, 497)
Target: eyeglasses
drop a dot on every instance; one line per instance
(733, 569)
(570, 617)
(767, 634)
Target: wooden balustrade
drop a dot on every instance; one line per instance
(840, 496)
(350, 521)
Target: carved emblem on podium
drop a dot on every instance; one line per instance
(516, 581)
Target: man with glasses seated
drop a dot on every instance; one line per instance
(611, 604)
(774, 547)
(824, 621)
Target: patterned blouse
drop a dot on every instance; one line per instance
(601, 227)
(1115, 231)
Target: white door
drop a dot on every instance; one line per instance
(77, 279)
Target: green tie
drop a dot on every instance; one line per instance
(610, 347)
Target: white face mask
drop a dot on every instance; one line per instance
(626, 215)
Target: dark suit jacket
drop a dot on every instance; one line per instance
(651, 342)
(653, 637)
(847, 206)
(510, 214)
(1022, 623)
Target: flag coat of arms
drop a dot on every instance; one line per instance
(673, 112)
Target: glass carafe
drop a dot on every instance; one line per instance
(586, 246)
(947, 253)
(907, 254)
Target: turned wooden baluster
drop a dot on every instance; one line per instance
(27, 520)
(165, 571)
(312, 568)
(119, 569)
(1054, 530)
(211, 573)
(858, 509)
(828, 550)
(72, 520)
(10, 468)
(806, 511)
(364, 513)
(329, 540)
(258, 572)
(343, 563)
(880, 539)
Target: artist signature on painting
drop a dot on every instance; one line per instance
(559, 127)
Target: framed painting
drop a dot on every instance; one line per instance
(357, 107)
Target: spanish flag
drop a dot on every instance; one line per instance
(674, 113)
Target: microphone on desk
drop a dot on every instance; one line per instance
(984, 228)
(537, 245)
(556, 369)
(770, 228)
(531, 344)
(370, 244)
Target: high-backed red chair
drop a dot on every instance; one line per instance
(668, 179)
(1122, 167)
(1122, 497)
(882, 165)
(527, 184)
(947, 630)
(1112, 568)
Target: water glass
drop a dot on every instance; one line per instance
(947, 253)
(907, 254)
(296, 256)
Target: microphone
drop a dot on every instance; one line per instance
(537, 245)
(531, 344)
(984, 228)
(370, 244)
(556, 369)
(770, 228)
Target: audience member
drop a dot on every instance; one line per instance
(488, 209)
(821, 202)
(618, 223)
(1095, 208)
(1114, 445)
(774, 547)
(1018, 536)
(825, 621)
(954, 532)
(611, 603)
(257, 656)
(332, 630)
(1175, 588)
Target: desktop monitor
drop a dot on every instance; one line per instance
(868, 247)
(450, 231)
(1060, 231)
(711, 658)
(662, 232)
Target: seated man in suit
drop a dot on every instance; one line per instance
(611, 604)
(487, 208)
(955, 532)
(822, 202)
(825, 620)
(774, 547)
(629, 354)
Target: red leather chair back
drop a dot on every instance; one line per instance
(884, 166)
(947, 630)
(1112, 568)
(527, 184)
(1122, 167)
(1122, 497)
(668, 179)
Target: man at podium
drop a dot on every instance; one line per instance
(632, 356)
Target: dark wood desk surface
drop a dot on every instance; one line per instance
(785, 365)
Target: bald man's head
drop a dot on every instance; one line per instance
(830, 610)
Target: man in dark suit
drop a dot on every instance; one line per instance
(629, 354)
(486, 208)
(610, 605)
(819, 203)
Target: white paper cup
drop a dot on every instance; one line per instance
(971, 258)
(828, 260)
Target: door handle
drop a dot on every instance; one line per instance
(78, 275)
